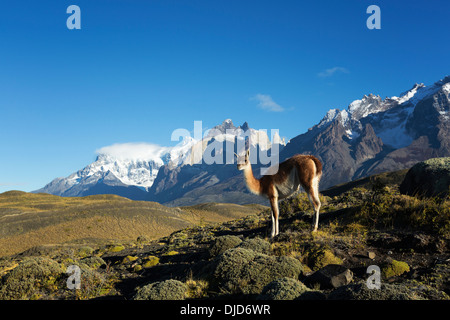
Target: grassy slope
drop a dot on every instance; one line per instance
(370, 217)
(28, 220)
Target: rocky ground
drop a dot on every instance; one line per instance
(369, 224)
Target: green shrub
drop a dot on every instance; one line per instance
(386, 292)
(295, 204)
(164, 290)
(196, 289)
(386, 208)
(257, 245)
(222, 244)
(241, 270)
(283, 289)
(33, 278)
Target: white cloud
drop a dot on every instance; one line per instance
(138, 150)
(266, 102)
(329, 72)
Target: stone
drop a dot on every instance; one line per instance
(430, 178)
(329, 277)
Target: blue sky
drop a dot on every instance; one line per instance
(137, 70)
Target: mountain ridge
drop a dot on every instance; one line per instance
(370, 136)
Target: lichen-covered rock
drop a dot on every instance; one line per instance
(240, 270)
(150, 261)
(428, 178)
(223, 243)
(320, 256)
(85, 251)
(93, 262)
(394, 268)
(163, 290)
(117, 248)
(283, 289)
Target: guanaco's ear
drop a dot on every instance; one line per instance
(248, 152)
(236, 155)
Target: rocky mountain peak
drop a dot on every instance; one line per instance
(227, 124)
(369, 136)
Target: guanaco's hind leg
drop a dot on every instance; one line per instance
(274, 205)
(313, 196)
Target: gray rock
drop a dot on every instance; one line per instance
(428, 178)
(329, 277)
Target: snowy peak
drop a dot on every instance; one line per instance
(329, 117)
(406, 96)
(420, 91)
(393, 119)
(256, 138)
(355, 111)
(367, 105)
(138, 164)
(227, 124)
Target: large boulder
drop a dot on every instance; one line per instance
(430, 178)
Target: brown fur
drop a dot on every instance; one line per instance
(307, 168)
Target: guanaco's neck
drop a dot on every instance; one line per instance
(253, 184)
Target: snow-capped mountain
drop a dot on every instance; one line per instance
(219, 181)
(130, 169)
(374, 135)
(130, 166)
(371, 135)
(389, 117)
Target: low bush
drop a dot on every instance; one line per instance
(244, 271)
(283, 289)
(223, 243)
(163, 290)
(33, 278)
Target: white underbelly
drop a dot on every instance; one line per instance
(289, 186)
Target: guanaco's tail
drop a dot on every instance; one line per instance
(318, 166)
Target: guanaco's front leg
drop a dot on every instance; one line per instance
(274, 205)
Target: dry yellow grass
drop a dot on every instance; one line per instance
(28, 220)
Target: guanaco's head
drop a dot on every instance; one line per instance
(243, 161)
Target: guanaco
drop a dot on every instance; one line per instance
(299, 170)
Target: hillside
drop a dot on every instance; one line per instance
(369, 223)
(28, 220)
